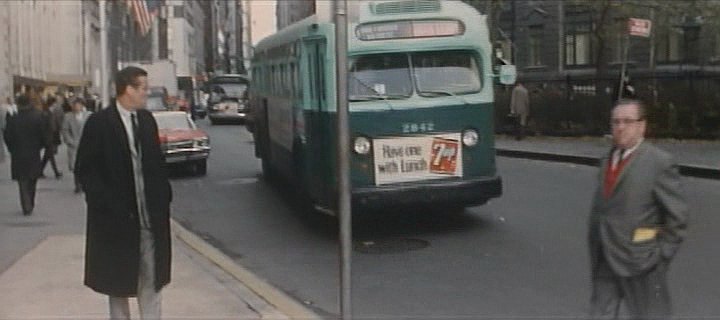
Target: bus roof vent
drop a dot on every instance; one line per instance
(405, 6)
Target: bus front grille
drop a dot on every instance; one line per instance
(407, 6)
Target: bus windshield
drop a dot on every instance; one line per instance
(435, 73)
(380, 76)
(446, 73)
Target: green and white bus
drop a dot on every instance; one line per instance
(421, 106)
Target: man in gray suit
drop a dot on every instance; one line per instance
(637, 223)
(72, 131)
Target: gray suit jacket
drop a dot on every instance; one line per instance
(648, 193)
(520, 101)
(71, 132)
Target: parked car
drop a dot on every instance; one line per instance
(181, 140)
(227, 98)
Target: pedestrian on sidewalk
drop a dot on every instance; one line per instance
(25, 136)
(71, 133)
(637, 222)
(4, 112)
(53, 115)
(520, 109)
(122, 169)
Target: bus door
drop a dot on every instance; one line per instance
(316, 160)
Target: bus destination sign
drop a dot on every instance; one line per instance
(409, 29)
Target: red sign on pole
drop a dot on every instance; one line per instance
(639, 27)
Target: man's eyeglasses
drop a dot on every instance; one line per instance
(617, 122)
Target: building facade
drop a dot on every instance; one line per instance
(47, 45)
(185, 33)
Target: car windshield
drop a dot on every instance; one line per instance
(380, 76)
(446, 73)
(173, 121)
(155, 104)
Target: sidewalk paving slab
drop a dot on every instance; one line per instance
(47, 283)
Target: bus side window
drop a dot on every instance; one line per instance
(316, 72)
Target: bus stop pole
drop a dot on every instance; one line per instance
(343, 159)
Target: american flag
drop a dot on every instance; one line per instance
(143, 12)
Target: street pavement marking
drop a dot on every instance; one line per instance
(276, 297)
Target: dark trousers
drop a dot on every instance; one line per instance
(646, 296)
(27, 194)
(49, 155)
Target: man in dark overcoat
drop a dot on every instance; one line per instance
(25, 137)
(122, 168)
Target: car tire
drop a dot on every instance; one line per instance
(212, 122)
(201, 167)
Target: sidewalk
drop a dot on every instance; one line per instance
(46, 283)
(42, 265)
(687, 152)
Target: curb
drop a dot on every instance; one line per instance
(686, 170)
(282, 301)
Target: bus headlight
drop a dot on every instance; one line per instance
(362, 145)
(470, 137)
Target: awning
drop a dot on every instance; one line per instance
(71, 80)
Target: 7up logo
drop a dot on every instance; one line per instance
(444, 156)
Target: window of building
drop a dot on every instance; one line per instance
(669, 46)
(578, 44)
(535, 46)
(716, 47)
(178, 11)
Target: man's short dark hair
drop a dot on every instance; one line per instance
(78, 100)
(22, 101)
(642, 109)
(128, 76)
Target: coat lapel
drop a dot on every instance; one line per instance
(119, 129)
(629, 166)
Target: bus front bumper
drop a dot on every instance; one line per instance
(469, 192)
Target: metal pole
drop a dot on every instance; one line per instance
(561, 34)
(624, 66)
(343, 157)
(104, 76)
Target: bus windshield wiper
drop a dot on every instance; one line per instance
(437, 93)
(376, 97)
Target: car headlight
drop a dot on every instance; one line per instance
(362, 145)
(203, 142)
(470, 137)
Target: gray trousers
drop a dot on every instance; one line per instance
(149, 300)
(646, 296)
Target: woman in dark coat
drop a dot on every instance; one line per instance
(25, 136)
(53, 138)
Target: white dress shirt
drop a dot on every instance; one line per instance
(625, 153)
(126, 117)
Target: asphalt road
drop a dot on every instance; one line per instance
(521, 256)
